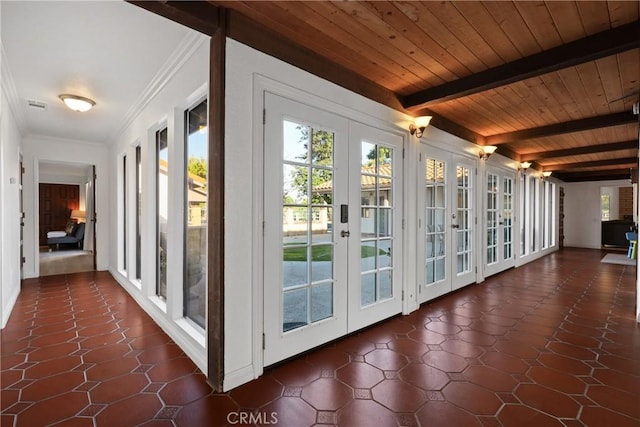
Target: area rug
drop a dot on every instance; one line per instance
(618, 259)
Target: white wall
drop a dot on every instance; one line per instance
(187, 83)
(582, 224)
(41, 148)
(248, 74)
(10, 140)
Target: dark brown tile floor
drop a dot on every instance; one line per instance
(552, 343)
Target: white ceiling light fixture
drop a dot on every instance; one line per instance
(77, 103)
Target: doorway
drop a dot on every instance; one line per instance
(446, 222)
(66, 209)
(333, 226)
(499, 221)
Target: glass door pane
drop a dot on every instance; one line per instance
(435, 231)
(492, 218)
(507, 218)
(376, 222)
(464, 218)
(307, 224)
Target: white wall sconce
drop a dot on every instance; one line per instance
(523, 168)
(419, 125)
(545, 175)
(77, 103)
(486, 151)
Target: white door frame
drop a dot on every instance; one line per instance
(261, 85)
(451, 280)
(501, 263)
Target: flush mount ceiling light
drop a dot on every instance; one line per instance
(77, 103)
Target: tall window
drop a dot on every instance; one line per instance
(195, 221)
(605, 207)
(162, 209)
(524, 219)
(533, 213)
(124, 213)
(544, 214)
(138, 213)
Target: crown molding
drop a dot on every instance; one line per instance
(11, 92)
(185, 49)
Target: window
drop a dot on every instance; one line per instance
(162, 210)
(124, 213)
(138, 213)
(195, 221)
(605, 207)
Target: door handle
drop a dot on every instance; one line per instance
(455, 226)
(345, 233)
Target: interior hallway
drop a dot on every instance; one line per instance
(552, 343)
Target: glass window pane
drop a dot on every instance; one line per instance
(368, 222)
(195, 221)
(386, 285)
(138, 213)
(384, 224)
(294, 266)
(296, 137)
(322, 263)
(295, 188)
(367, 256)
(321, 302)
(295, 309)
(322, 224)
(322, 147)
(430, 246)
(430, 272)
(162, 208)
(368, 289)
(368, 158)
(384, 253)
(440, 273)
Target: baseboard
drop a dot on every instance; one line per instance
(238, 377)
(6, 311)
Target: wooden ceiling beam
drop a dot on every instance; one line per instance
(596, 46)
(198, 15)
(614, 119)
(561, 167)
(601, 175)
(590, 149)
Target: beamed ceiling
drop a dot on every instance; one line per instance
(553, 83)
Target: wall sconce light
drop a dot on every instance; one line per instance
(77, 103)
(523, 167)
(419, 125)
(486, 151)
(545, 175)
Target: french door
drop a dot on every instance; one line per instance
(499, 221)
(446, 222)
(332, 231)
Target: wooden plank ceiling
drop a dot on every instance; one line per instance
(553, 83)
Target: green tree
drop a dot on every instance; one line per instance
(383, 154)
(197, 166)
(321, 155)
